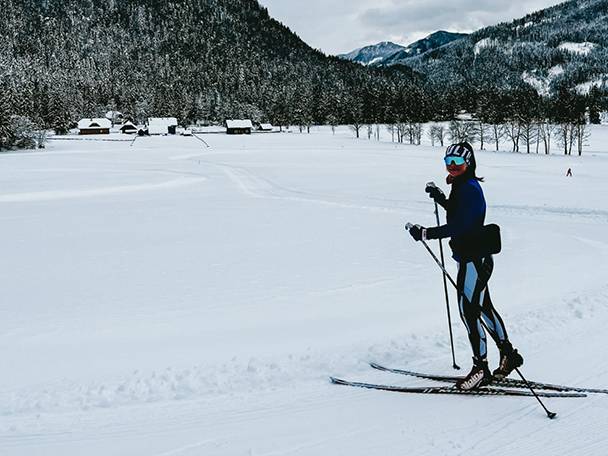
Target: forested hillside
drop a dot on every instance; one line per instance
(193, 59)
(546, 54)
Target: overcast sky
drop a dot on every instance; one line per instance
(337, 26)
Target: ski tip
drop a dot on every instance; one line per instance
(336, 381)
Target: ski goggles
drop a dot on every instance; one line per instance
(454, 160)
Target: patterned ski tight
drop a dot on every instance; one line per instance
(475, 304)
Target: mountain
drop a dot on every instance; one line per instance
(375, 53)
(387, 53)
(431, 42)
(557, 49)
(61, 60)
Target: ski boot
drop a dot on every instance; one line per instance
(479, 376)
(510, 359)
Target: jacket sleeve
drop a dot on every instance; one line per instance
(469, 211)
(443, 202)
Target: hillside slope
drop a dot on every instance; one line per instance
(194, 59)
(562, 47)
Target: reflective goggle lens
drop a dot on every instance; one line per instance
(454, 160)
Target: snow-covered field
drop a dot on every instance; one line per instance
(173, 299)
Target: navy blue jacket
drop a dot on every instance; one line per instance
(466, 213)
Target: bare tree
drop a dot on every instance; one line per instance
(498, 132)
(391, 128)
(401, 131)
(566, 133)
(582, 135)
(437, 133)
(431, 136)
(413, 131)
(356, 128)
(529, 133)
(482, 131)
(460, 131)
(545, 132)
(513, 133)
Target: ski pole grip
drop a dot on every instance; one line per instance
(408, 226)
(431, 185)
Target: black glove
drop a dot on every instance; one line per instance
(417, 232)
(435, 193)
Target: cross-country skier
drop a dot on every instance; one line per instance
(466, 211)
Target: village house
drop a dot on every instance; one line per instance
(162, 125)
(128, 128)
(239, 127)
(92, 126)
(265, 127)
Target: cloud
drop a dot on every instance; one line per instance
(342, 25)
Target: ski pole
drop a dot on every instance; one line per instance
(550, 414)
(445, 285)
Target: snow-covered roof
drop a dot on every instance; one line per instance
(128, 126)
(162, 121)
(266, 126)
(237, 123)
(83, 124)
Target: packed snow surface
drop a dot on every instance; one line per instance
(167, 298)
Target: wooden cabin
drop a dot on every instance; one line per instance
(239, 127)
(94, 126)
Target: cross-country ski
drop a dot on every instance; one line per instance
(505, 382)
(481, 391)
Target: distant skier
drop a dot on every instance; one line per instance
(569, 172)
(466, 211)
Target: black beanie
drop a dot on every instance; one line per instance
(464, 150)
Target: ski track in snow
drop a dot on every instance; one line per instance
(258, 375)
(88, 193)
(259, 187)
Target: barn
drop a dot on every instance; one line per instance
(128, 128)
(265, 127)
(93, 126)
(238, 127)
(162, 125)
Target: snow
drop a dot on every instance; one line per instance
(586, 87)
(84, 124)
(485, 43)
(556, 71)
(583, 48)
(238, 123)
(173, 299)
(540, 84)
(375, 60)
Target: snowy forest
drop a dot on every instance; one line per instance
(215, 59)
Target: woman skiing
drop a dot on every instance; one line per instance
(466, 211)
